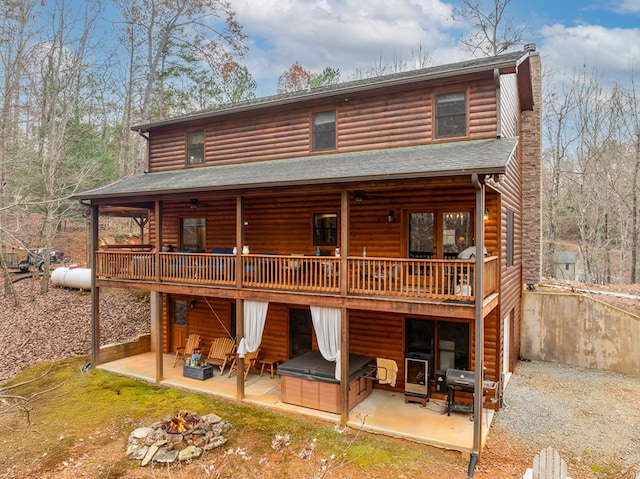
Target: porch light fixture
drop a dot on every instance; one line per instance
(358, 195)
(391, 216)
(192, 304)
(193, 203)
(486, 214)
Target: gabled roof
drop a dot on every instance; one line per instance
(487, 157)
(565, 257)
(506, 63)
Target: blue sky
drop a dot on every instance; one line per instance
(355, 34)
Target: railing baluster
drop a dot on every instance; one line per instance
(410, 278)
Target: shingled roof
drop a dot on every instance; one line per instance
(488, 157)
(506, 63)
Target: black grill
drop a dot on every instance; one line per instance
(460, 380)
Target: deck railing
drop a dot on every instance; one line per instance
(412, 278)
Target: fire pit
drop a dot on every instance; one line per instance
(182, 436)
(180, 422)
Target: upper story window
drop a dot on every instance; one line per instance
(451, 114)
(195, 147)
(324, 131)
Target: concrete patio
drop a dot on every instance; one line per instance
(382, 412)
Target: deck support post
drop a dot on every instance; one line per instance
(157, 299)
(239, 302)
(95, 290)
(344, 312)
(476, 452)
(344, 366)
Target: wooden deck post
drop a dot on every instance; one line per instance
(344, 313)
(157, 300)
(95, 291)
(239, 302)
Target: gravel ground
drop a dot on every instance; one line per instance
(591, 417)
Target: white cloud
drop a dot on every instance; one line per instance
(611, 50)
(344, 34)
(627, 6)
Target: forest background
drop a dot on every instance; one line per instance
(71, 90)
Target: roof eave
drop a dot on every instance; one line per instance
(503, 65)
(143, 196)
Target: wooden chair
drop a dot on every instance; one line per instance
(192, 346)
(221, 352)
(547, 464)
(250, 360)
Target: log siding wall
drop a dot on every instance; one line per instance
(510, 109)
(281, 223)
(397, 117)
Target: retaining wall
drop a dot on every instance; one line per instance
(578, 330)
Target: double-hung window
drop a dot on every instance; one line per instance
(323, 125)
(195, 147)
(451, 114)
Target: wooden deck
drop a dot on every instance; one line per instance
(387, 277)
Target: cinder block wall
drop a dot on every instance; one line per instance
(577, 330)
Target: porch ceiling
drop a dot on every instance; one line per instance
(486, 157)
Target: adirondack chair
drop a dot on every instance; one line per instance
(547, 464)
(250, 360)
(221, 352)
(192, 346)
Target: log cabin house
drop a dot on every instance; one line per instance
(344, 219)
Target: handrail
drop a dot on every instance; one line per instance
(396, 277)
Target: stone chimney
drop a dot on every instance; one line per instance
(531, 143)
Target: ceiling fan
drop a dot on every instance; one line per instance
(360, 195)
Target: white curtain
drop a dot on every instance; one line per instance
(255, 315)
(327, 324)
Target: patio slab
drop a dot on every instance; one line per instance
(383, 412)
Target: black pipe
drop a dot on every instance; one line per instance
(472, 464)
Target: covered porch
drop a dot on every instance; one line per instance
(383, 412)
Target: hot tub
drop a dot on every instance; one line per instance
(309, 381)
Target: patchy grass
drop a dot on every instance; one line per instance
(80, 422)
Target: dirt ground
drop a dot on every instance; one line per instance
(508, 452)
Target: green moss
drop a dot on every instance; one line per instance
(71, 405)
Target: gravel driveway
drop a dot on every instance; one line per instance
(591, 417)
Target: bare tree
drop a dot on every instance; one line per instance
(628, 110)
(560, 104)
(53, 165)
(420, 57)
(15, 35)
(493, 31)
(171, 36)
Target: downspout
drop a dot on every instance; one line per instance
(496, 78)
(479, 326)
(146, 137)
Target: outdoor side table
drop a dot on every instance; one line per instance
(271, 363)
(196, 372)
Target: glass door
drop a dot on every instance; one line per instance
(456, 233)
(421, 235)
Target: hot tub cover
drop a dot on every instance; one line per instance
(313, 366)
